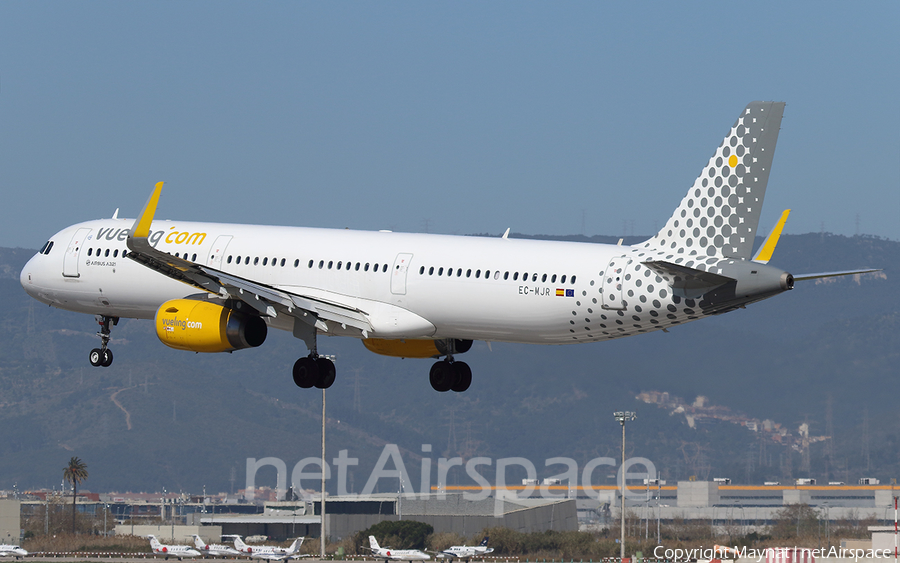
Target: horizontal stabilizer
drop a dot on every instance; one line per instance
(834, 274)
(686, 282)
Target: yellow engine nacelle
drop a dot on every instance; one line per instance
(417, 348)
(201, 326)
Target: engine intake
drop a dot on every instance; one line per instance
(201, 326)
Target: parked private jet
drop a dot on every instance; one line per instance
(466, 552)
(389, 554)
(12, 551)
(213, 287)
(214, 549)
(269, 552)
(178, 551)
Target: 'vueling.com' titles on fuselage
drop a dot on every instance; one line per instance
(172, 236)
(422, 295)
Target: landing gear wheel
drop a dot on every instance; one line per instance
(463, 376)
(306, 372)
(107, 358)
(96, 357)
(442, 376)
(326, 373)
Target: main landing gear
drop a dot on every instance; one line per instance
(314, 371)
(103, 356)
(448, 375)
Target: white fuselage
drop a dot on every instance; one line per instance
(425, 286)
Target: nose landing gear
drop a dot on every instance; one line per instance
(103, 356)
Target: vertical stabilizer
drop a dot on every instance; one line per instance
(373, 543)
(720, 213)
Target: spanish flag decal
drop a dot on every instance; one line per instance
(560, 292)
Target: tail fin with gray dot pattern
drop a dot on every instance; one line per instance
(719, 215)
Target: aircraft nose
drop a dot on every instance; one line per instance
(26, 276)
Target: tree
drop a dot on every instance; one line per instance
(75, 473)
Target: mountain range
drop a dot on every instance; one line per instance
(825, 354)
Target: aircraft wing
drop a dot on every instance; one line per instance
(268, 300)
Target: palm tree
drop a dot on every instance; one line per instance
(75, 473)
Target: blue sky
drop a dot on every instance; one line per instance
(459, 117)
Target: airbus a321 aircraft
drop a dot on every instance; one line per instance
(12, 551)
(466, 552)
(214, 287)
(388, 554)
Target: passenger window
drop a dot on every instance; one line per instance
(459, 272)
(265, 261)
(228, 260)
(357, 267)
(506, 275)
(553, 279)
(421, 270)
(497, 275)
(256, 261)
(194, 258)
(107, 253)
(246, 260)
(116, 253)
(534, 277)
(563, 279)
(544, 278)
(310, 263)
(124, 253)
(515, 276)
(45, 247)
(330, 264)
(348, 266)
(573, 280)
(477, 273)
(431, 271)
(238, 259)
(449, 271)
(366, 267)
(469, 272)
(384, 268)
(440, 271)
(321, 264)
(339, 265)
(375, 268)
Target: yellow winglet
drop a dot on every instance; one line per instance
(141, 227)
(764, 254)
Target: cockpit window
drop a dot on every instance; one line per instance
(46, 248)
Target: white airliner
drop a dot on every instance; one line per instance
(178, 551)
(466, 552)
(214, 287)
(214, 549)
(269, 552)
(388, 554)
(12, 551)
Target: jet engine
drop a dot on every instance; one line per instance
(417, 348)
(201, 326)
